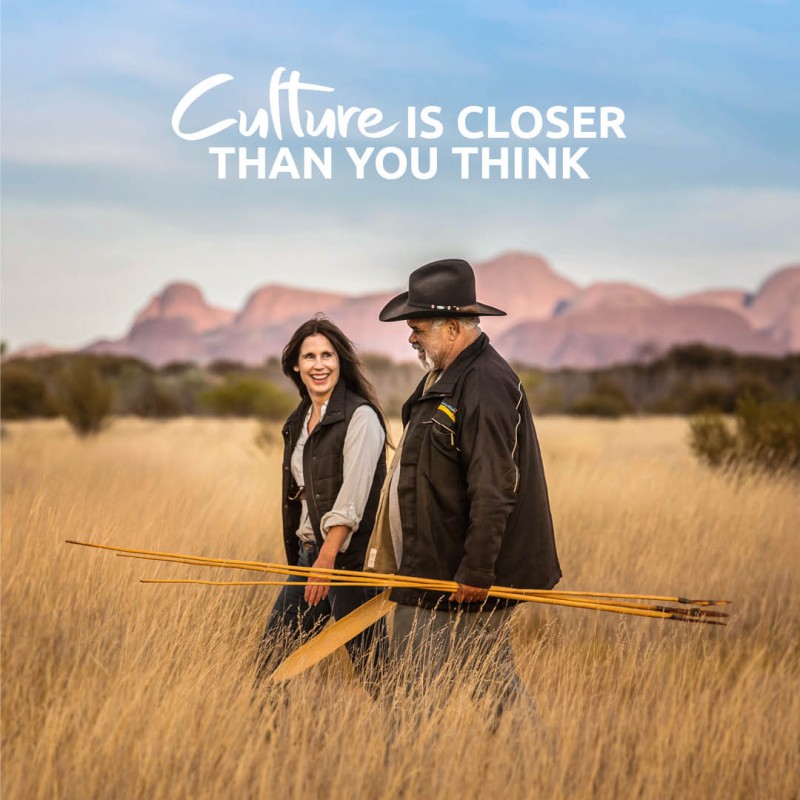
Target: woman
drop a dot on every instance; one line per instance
(333, 468)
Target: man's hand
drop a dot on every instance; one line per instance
(316, 594)
(469, 594)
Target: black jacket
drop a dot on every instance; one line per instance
(323, 468)
(472, 493)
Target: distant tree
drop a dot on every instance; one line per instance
(697, 355)
(606, 399)
(647, 352)
(247, 396)
(177, 367)
(223, 367)
(754, 386)
(544, 396)
(83, 396)
(710, 396)
(154, 397)
(24, 392)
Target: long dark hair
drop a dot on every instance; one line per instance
(350, 366)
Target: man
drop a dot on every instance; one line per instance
(466, 498)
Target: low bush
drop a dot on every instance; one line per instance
(764, 435)
(544, 397)
(83, 396)
(709, 396)
(247, 396)
(155, 398)
(24, 392)
(711, 439)
(769, 432)
(606, 399)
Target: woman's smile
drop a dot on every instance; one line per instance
(318, 365)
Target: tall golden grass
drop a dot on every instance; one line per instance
(114, 689)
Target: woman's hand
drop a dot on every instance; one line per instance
(325, 559)
(327, 555)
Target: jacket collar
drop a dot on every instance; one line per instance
(450, 377)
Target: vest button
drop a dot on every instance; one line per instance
(317, 495)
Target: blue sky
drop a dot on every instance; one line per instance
(103, 204)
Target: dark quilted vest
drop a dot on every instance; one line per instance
(323, 467)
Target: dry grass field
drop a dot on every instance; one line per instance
(115, 689)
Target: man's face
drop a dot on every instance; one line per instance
(429, 340)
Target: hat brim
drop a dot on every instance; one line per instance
(398, 308)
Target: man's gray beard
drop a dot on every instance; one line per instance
(425, 361)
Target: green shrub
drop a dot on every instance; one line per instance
(765, 436)
(711, 440)
(754, 386)
(544, 396)
(224, 367)
(710, 396)
(769, 433)
(606, 399)
(154, 398)
(177, 368)
(83, 396)
(698, 356)
(189, 388)
(24, 392)
(247, 396)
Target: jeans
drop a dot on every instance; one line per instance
(424, 641)
(293, 621)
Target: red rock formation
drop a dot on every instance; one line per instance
(184, 301)
(732, 299)
(611, 295)
(602, 336)
(550, 321)
(774, 307)
(523, 285)
(274, 304)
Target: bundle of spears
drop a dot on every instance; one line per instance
(641, 605)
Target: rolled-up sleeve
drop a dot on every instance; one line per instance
(363, 445)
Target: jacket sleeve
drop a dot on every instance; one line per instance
(490, 424)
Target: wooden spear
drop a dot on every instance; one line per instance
(340, 574)
(664, 612)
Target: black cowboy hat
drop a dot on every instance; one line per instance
(443, 288)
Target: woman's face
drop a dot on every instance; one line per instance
(318, 365)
